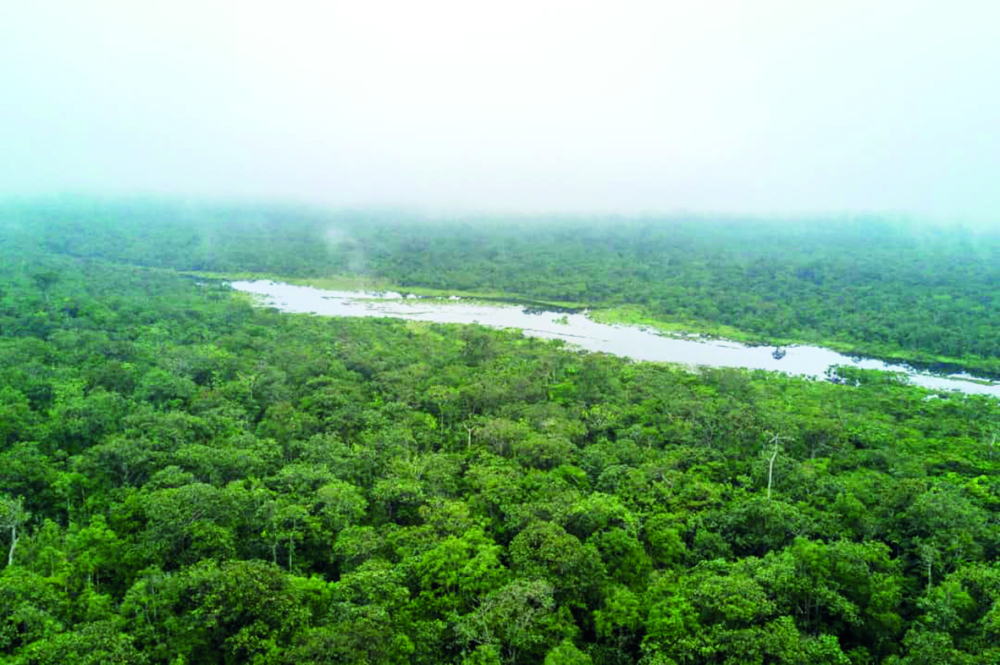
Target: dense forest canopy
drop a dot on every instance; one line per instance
(873, 286)
(185, 478)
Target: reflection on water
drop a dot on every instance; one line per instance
(577, 329)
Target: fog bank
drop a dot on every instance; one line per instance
(722, 106)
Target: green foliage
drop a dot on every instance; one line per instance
(187, 479)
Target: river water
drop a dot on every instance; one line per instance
(576, 329)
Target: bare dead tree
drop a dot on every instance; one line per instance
(469, 428)
(12, 516)
(776, 443)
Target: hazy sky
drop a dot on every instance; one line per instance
(756, 106)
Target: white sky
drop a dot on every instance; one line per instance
(762, 106)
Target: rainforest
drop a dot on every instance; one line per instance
(187, 477)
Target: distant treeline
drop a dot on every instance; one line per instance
(871, 285)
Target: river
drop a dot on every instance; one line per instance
(578, 330)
